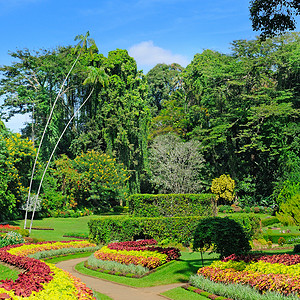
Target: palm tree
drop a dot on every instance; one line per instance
(95, 75)
(84, 43)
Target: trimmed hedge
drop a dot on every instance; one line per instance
(269, 221)
(179, 229)
(170, 205)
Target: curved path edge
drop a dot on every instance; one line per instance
(116, 291)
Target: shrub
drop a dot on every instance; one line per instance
(225, 209)
(269, 221)
(250, 223)
(11, 238)
(296, 248)
(281, 241)
(224, 235)
(170, 205)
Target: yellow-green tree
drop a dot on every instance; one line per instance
(223, 187)
(93, 179)
(289, 213)
(16, 159)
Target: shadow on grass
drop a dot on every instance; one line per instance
(191, 262)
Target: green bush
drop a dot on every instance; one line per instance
(170, 205)
(179, 229)
(250, 223)
(224, 235)
(296, 248)
(225, 209)
(269, 221)
(11, 238)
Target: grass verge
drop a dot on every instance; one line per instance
(100, 296)
(8, 273)
(179, 293)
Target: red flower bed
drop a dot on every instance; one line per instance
(131, 245)
(285, 259)
(5, 228)
(148, 262)
(172, 252)
(36, 273)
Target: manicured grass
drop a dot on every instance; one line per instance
(100, 296)
(60, 226)
(180, 293)
(7, 273)
(172, 272)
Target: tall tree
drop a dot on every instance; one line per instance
(124, 115)
(273, 17)
(162, 80)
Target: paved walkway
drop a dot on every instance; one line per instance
(115, 290)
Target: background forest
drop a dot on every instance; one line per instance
(172, 130)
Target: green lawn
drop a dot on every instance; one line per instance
(180, 293)
(7, 273)
(60, 226)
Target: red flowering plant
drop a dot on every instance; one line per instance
(171, 252)
(7, 227)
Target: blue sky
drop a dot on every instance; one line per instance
(153, 31)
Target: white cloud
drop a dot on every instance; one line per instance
(147, 54)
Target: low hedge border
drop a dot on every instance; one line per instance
(208, 295)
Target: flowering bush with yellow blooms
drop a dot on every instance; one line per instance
(16, 159)
(92, 179)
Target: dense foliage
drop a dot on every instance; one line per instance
(224, 235)
(235, 114)
(178, 229)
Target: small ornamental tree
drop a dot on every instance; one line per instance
(224, 235)
(223, 187)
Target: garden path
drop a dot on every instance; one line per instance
(114, 290)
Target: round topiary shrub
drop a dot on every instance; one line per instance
(223, 235)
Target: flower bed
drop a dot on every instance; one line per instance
(41, 280)
(138, 253)
(280, 273)
(6, 228)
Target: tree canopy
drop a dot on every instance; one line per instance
(273, 17)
